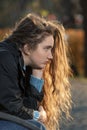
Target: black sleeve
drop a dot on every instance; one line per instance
(10, 94)
(34, 93)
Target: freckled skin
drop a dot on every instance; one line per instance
(39, 57)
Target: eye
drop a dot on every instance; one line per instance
(46, 48)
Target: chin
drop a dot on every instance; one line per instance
(42, 67)
(38, 66)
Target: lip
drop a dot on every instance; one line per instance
(46, 62)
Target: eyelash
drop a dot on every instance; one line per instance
(51, 49)
(46, 48)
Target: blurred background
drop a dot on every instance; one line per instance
(73, 15)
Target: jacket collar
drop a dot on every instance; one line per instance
(12, 47)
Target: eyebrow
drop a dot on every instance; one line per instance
(49, 46)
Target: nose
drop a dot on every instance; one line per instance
(50, 56)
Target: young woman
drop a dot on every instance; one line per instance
(34, 72)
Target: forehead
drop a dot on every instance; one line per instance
(48, 41)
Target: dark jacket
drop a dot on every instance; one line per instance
(14, 97)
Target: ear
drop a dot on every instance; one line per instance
(26, 49)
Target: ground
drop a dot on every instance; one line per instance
(79, 110)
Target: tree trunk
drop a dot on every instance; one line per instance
(84, 11)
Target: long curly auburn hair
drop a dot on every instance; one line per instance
(57, 95)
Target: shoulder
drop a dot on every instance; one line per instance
(5, 56)
(7, 62)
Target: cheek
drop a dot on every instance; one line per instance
(40, 54)
(37, 57)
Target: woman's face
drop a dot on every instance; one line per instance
(39, 57)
